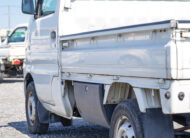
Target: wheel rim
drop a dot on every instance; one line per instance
(31, 109)
(124, 129)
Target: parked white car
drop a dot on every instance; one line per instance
(12, 52)
(124, 65)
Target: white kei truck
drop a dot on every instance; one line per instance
(12, 52)
(121, 64)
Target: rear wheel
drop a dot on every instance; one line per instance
(34, 125)
(126, 121)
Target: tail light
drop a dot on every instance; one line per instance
(16, 62)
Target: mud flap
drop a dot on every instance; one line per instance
(43, 114)
(157, 125)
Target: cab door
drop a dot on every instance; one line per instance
(44, 49)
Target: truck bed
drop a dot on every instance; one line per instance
(144, 50)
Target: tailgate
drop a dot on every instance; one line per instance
(183, 50)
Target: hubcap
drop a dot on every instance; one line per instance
(31, 109)
(124, 128)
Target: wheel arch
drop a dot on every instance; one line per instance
(118, 92)
(28, 78)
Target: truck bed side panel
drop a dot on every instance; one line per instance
(139, 54)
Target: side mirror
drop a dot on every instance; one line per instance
(29, 6)
(4, 43)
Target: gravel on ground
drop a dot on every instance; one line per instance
(13, 121)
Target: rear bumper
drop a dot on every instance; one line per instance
(12, 58)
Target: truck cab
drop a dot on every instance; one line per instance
(123, 65)
(16, 43)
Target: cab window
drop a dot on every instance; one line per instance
(18, 35)
(48, 7)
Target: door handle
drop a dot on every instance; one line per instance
(53, 35)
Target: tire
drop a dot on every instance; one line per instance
(126, 121)
(1, 76)
(34, 125)
(1, 72)
(66, 122)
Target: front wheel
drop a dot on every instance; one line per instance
(34, 125)
(126, 121)
(2, 68)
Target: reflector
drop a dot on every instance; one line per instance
(16, 62)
